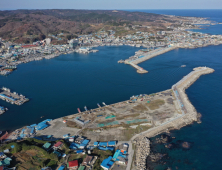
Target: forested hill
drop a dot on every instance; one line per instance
(29, 25)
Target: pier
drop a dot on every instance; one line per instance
(12, 97)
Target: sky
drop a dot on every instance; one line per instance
(110, 4)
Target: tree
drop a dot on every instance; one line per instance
(69, 37)
(42, 36)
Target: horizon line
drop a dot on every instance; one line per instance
(4, 9)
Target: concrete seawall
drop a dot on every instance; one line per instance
(188, 112)
(152, 54)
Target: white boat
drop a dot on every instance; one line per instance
(98, 105)
(85, 108)
(104, 103)
(183, 66)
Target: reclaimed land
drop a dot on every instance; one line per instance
(147, 115)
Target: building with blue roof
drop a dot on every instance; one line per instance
(61, 167)
(6, 162)
(112, 143)
(66, 136)
(33, 125)
(74, 146)
(106, 148)
(42, 125)
(84, 144)
(116, 154)
(96, 143)
(107, 163)
(104, 144)
(6, 97)
(120, 157)
(79, 151)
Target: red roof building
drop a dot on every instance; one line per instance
(73, 164)
(58, 144)
(29, 46)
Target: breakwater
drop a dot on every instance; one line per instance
(188, 112)
(153, 53)
(139, 69)
(141, 56)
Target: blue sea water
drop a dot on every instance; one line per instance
(57, 87)
(205, 94)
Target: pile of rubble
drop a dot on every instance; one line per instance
(142, 151)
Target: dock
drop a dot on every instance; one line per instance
(12, 97)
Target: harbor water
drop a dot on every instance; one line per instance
(57, 87)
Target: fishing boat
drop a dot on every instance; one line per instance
(98, 105)
(104, 103)
(79, 110)
(85, 108)
(2, 110)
